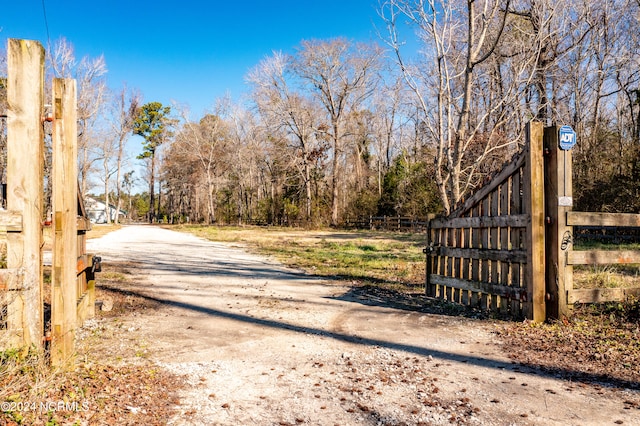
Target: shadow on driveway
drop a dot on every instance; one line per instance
(567, 374)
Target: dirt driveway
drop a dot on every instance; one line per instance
(262, 344)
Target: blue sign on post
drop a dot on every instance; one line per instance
(567, 137)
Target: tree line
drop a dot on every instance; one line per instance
(409, 125)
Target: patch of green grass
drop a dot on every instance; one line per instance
(599, 245)
(369, 256)
(606, 276)
(113, 276)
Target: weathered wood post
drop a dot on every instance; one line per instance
(64, 288)
(533, 199)
(25, 187)
(559, 201)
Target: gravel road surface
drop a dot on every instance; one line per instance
(261, 344)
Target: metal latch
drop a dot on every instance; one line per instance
(429, 249)
(96, 264)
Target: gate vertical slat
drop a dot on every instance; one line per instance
(437, 233)
(64, 280)
(515, 240)
(466, 262)
(504, 241)
(484, 265)
(495, 245)
(449, 263)
(442, 261)
(428, 286)
(475, 263)
(457, 242)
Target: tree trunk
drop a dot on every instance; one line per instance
(307, 187)
(107, 210)
(118, 173)
(335, 193)
(152, 192)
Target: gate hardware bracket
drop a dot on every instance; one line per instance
(96, 264)
(429, 249)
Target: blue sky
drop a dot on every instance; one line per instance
(189, 51)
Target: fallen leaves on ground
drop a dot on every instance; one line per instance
(98, 395)
(595, 345)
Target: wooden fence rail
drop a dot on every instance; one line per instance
(389, 223)
(602, 257)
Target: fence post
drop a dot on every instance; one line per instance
(25, 186)
(65, 211)
(559, 201)
(533, 199)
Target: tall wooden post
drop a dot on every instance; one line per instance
(559, 236)
(64, 296)
(533, 199)
(25, 186)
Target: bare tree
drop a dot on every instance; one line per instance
(452, 83)
(341, 76)
(90, 75)
(206, 141)
(551, 31)
(288, 110)
(387, 106)
(124, 109)
(107, 150)
(244, 133)
(127, 183)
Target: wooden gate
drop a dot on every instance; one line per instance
(490, 252)
(509, 248)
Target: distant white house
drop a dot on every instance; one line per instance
(97, 211)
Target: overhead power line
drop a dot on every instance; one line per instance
(46, 25)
